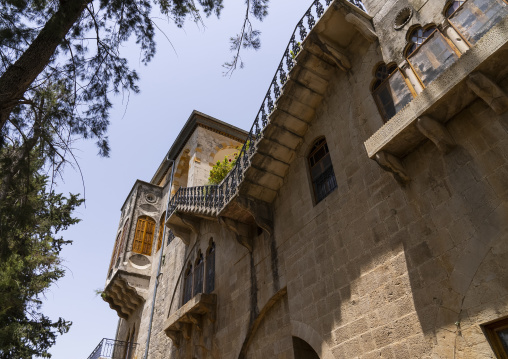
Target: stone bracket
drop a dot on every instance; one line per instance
(331, 52)
(363, 26)
(196, 320)
(260, 211)
(436, 132)
(189, 221)
(175, 336)
(183, 233)
(488, 91)
(392, 164)
(190, 225)
(240, 229)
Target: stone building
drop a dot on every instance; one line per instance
(367, 216)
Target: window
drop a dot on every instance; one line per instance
(497, 335)
(143, 237)
(210, 268)
(162, 225)
(417, 37)
(453, 6)
(121, 247)
(171, 236)
(187, 284)
(198, 275)
(429, 53)
(115, 252)
(391, 90)
(321, 170)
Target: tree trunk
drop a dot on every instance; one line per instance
(19, 76)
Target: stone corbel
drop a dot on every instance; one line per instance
(363, 26)
(183, 233)
(260, 211)
(175, 336)
(185, 329)
(390, 163)
(436, 132)
(210, 311)
(242, 234)
(196, 320)
(488, 91)
(336, 55)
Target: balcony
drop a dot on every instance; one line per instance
(450, 87)
(125, 292)
(179, 324)
(114, 349)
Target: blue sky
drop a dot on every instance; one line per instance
(172, 85)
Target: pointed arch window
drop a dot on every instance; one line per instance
(453, 6)
(198, 275)
(210, 268)
(115, 252)
(162, 226)
(321, 170)
(391, 90)
(417, 37)
(143, 237)
(187, 284)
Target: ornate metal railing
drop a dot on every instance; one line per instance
(113, 349)
(215, 197)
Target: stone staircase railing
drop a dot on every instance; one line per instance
(209, 200)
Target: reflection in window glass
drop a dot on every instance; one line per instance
(453, 6)
(476, 17)
(418, 37)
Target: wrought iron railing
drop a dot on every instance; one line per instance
(213, 198)
(113, 349)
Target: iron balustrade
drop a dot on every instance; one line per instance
(113, 349)
(213, 198)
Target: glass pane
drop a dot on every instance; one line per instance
(432, 58)
(392, 95)
(325, 184)
(476, 17)
(503, 336)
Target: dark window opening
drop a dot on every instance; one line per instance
(198, 275)
(210, 268)
(321, 170)
(187, 284)
(302, 350)
(497, 335)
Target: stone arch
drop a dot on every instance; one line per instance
(259, 319)
(312, 337)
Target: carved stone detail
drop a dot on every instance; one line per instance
(175, 336)
(240, 229)
(436, 132)
(260, 211)
(363, 26)
(488, 91)
(338, 56)
(390, 163)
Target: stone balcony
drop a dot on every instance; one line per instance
(179, 324)
(478, 73)
(125, 292)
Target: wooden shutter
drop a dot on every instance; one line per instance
(143, 236)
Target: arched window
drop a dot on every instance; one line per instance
(143, 237)
(187, 284)
(417, 37)
(115, 252)
(121, 247)
(391, 90)
(198, 275)
(453, 6)
(321, 170)
(210, 268)
(162, 225)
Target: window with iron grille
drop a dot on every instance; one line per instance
(321, 170)
(210, 268)
(187, 284)
(198, 275)
(143, 237)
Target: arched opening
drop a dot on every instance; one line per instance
(187, 284)
(321, 170)
(198, 275)
(302, 350)
(162, 225)
(210, 268)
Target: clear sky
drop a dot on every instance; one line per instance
(172, 85)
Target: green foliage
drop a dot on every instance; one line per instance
(30, 218)
(220, 170)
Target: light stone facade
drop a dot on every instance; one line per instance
(406, 258)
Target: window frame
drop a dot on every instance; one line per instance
(209, 261)
(490, 331)
(144, 242)
(313, 151)
(162, 227)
